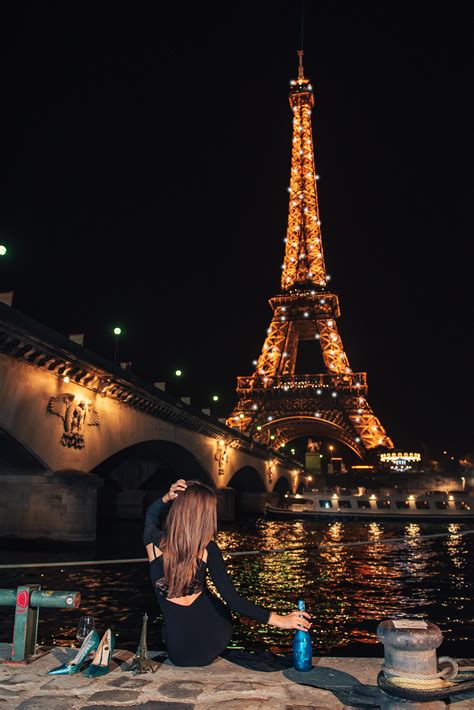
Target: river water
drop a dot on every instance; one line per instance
(348, 590)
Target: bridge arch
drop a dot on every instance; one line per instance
(247, 479)
(282, 485)
(250, 490)
(15, 454)
(290, 428)
(138, 474)
(136, 464)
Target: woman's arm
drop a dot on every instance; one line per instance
(152, 529)
(223, 582)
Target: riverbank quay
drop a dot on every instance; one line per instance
(239, 682)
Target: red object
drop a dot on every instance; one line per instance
(22, 601)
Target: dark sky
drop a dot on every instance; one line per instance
(144, 163)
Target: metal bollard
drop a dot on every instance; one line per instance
(410, 652)
(410, 645)
(27, 601)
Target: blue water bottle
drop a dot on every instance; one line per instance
(302, 646)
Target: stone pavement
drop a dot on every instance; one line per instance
(341, 683)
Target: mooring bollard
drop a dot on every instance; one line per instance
(410, 645)
(410, 669)
(28, 600)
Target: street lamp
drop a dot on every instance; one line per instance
(3, 250)
(178, 373)
(117, 333)
(215, 397)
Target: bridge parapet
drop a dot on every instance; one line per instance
(24, 339)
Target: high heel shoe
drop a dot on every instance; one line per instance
(90, 643)
(101, 662)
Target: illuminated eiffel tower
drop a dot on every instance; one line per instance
(276, 405)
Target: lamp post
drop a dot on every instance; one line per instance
(117, 334)
(7, 296)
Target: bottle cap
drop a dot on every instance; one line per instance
(301, 605)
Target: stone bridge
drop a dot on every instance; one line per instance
(78, 432)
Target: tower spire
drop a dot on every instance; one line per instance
(304, 259)
(300, 65)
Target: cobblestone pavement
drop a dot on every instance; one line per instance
(341, 683)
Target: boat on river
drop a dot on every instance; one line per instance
(435, 507)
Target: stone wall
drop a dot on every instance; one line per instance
(61, 506)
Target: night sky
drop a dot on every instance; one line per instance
(145, 154)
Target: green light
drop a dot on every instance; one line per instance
(259, 428)
(117, 331)
(215, 397)
(178, 373)
(272, 437)
(283, 446)
(3, 250)
(293, 451)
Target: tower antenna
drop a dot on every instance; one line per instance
(300, 64)
(300, 51)
(302, 26)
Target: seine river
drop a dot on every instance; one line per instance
(348, 590)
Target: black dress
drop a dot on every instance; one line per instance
(196, 634)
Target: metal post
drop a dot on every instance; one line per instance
(25, 630)
(27, 601)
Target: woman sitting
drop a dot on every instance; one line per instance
(197, 624)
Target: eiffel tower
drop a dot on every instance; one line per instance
(275, 404)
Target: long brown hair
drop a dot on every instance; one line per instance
(190, 525)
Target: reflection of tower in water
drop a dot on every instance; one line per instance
(455, 544)
(348, 590)
(459, 582)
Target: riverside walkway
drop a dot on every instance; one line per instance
(332, 683)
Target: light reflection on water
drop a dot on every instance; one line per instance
(348, 590)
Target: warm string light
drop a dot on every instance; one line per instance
(305, 265)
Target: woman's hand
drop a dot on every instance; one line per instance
(295, 620)
(175, 489)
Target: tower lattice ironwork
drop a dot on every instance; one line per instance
(275, 404)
